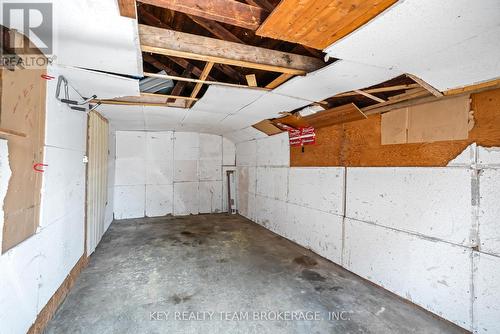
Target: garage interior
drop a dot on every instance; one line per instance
(250, 166)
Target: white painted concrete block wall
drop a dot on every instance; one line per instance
(410, 230)
(33, 270)
(160, 173)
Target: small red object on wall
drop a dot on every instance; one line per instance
(302, 136)
(39, 167)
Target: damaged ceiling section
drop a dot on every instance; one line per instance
(227, 65)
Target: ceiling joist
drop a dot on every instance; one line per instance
(179, 44)
(227, 11)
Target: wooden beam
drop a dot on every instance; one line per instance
(216, 29)
(380, 90)
(208, 82)
(279, 80)
(425, 85)
(251, 80)
(127, 8)
(203, 76)
(179, 44)
(262, 4)
(180, 85)
(226, 11)
(370, 96)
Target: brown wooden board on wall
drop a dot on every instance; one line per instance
(23, 110)
(358, 144)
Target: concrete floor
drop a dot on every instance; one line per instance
(220, 269)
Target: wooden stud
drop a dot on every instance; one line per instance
(370, 96)
(203, 76)
(251, 80)
(226, 11)
(279, 80)
(484, 85)
(380, 90)
(15, 133)
(179, 44)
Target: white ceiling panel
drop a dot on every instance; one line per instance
(448, 43)
(227, 100)
(341, 76)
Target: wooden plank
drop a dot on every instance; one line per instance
(203, 76)
(319, 23)
(216, 29)
(8, 132)
(358, 144)
(127, 8)
(470, 88)
(425, 85)
(226, 11)
(179, 44)
(180, 85)
(380, 90)
(251, 80)
(267, 127)
(279, 80)
(370, 96)
(338, 115)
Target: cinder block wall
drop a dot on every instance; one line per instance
(160, 173)
(429, 235)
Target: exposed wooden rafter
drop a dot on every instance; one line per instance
(380, 90)
(180, 85)
(425, 85)
(370, 96)
(227, 11)
(279, 80)
(203, 76)
(208, 82)
(178, 44)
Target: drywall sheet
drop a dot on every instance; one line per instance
(488, 157)
(123, 118)
(104, 85)
(270, 213)
(433, 202)
(245, 134)
(163, 118)
(324, 231)
(317, 188)
(339, 77)
(186, 156)
(129, 201)
(228, 152)
(226, 100)
(486, 293)
(394, 127)
(489, 211)
(159, 200)
(272, 182)
(442, 120)
(270, 105)
(273, 150)
(210, 195)
(186, 198)
(63, 187)
(448, 43)
(246, 153)
(434, 275)
(23, 99)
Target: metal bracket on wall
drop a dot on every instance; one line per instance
(73, 104)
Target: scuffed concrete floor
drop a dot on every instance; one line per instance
(147, 272)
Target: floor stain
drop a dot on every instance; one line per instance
(311, 275)
(305, 261)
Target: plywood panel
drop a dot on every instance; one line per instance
(319, 23)
(359, 143)
(23, 110)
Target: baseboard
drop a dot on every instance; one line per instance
(56, 300)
